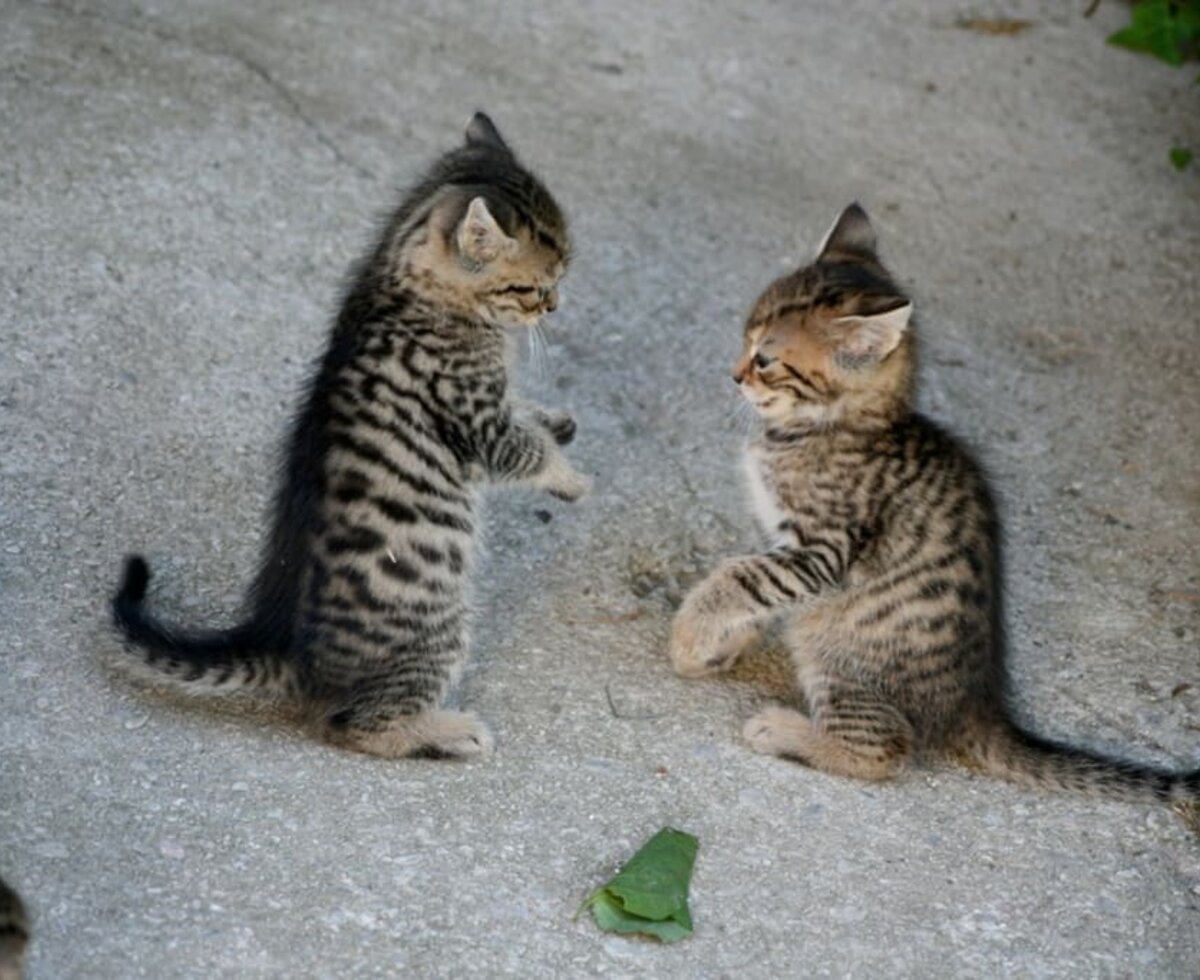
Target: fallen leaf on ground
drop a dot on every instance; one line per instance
(649, 894)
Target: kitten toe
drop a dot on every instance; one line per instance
(777, 731)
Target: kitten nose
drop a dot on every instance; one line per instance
(551, 301)
(737, 375)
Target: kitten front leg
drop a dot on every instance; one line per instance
(722, 613)
(528, 453)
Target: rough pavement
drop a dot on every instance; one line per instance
(182, 187)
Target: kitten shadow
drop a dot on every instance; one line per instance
(244, 708)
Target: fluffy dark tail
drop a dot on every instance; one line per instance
(220, 661)
(1007, 751)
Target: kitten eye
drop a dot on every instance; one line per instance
(762, 361)
(520, 290)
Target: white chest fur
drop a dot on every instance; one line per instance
(764, 504)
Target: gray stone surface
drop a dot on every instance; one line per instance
(182, 186)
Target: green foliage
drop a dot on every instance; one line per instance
(1167, 29)
(649, 894)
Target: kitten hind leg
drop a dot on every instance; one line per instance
(436, 734)
(861, 737)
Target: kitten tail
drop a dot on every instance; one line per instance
(210, 662)
(1030, 760)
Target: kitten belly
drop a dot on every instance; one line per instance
(764, 505)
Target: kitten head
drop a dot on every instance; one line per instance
(486, 237)
(831, 343)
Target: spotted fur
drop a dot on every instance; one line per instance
(882, 551)
(360, 609)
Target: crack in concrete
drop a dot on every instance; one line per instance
(148, 28)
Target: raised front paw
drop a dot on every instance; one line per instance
(700, 646)
(691, 651)
(560, 425)
(569, 485)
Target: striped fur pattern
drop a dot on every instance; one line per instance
(14, 933)
(882, 551)
(360, 609)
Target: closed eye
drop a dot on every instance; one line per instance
(762, 361)
(520, 290)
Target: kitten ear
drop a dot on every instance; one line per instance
(869, 339)
(481, 131)
(852, 232)
(480, 237)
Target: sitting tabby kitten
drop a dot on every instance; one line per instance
(360, 608)
(882, 551)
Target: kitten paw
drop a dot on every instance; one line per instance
(427, 735)
(693, 653)
(454, 735)
(560, 425)
(570, 486)
(777, 731)
(690, 655)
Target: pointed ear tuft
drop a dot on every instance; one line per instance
(867, 340)
(481, 131)
(852, 232)
(480, 237)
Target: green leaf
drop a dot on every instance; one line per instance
(1155, 29)
(1187, 20)
(1181, 156)
(649, 894)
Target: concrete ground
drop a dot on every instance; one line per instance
(182, 186)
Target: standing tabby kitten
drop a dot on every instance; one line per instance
(882, 552)
(360, 608)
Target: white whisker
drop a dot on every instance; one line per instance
(538, 353)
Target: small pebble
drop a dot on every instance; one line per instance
(171, 848)
(138, 722)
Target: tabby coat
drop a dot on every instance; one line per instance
(882, 551)
(360, 608)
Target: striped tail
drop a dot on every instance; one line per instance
(1011, 753)
(211, 662)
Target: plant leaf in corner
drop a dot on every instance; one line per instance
(649, 894)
